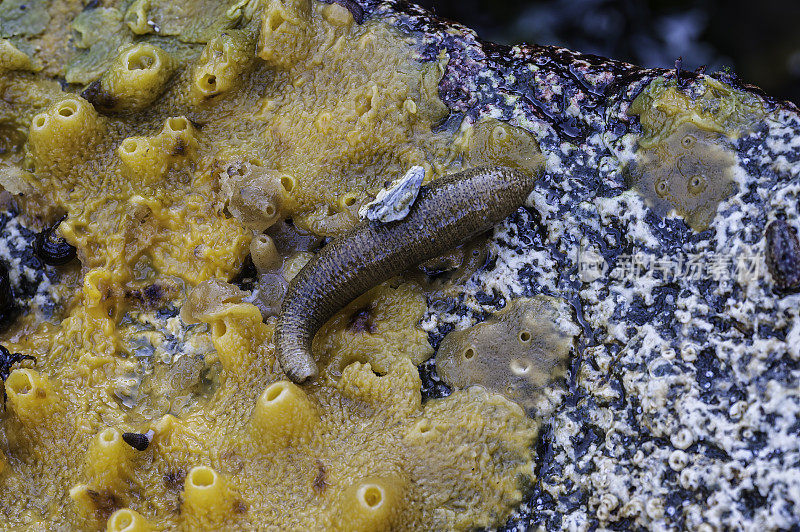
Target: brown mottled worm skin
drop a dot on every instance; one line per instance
(449, 211)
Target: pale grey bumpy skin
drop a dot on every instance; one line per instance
(446, 213)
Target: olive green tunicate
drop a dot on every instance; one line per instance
(689, 171)
(493, 142)
(685, 161)
(517, 352)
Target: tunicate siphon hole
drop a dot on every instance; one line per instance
(202, 477)
(209, 81)
(371, 495)
(129, 145)
(469, 353)
(40, 121)
(696, 184)
(688, 141)
(275, 391)
(127, 520)
(141, 59)
(178, 123)
(524, 337)
(19, 382)
(121, 520)
(422, 430)
(662, 188)
(288, 183)
(67, 109)
(109, 435)
(349, 200)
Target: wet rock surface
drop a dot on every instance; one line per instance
(29, 280)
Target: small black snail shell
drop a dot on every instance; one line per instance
(139, 441)
(51, 248)
(783, 255)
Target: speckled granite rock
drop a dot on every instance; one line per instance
(682, 404)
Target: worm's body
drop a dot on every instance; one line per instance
(446, 213)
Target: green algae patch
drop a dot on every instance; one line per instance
(194, 22)
(719, 108)
(516, 353)
(98, 33)
(23, 17)
(685, 160)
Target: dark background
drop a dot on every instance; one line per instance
(759, 40)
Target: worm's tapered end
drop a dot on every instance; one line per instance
(300, 370)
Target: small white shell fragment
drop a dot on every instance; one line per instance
(394, 202)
